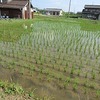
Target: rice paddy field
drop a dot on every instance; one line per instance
(53, 57)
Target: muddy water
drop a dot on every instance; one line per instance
(41, 88)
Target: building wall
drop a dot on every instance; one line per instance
(0, 12)
(55, 13)
(91, 13)
(99, 17)
(11, 13)
(17, 13)
(61, 13)
(25, 13)
(4, 1)
(9, 0)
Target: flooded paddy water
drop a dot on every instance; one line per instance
(56, 60)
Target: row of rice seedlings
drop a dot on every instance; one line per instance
(37, 60)
(41, 70)
(75, 84)
(42, 63)
(46, 46)
(59, 43)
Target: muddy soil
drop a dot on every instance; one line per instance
(40, 87)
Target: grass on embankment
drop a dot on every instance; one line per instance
(12, 91)
(89, 25)
(11, 30)
(11, 88)
(85, 24)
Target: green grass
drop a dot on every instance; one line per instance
(85, 24)
(11, 30)
(89, 25)
(11, 88)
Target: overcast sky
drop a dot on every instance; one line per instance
(76, 5)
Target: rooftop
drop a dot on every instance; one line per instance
(17, 4)
(53, 9)
(92, 6)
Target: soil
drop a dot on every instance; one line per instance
(41, 87)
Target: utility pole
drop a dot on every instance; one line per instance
(69, 8)
(29, 9)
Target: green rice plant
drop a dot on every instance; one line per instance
(85, 90)
(92, 85)
(72, 70)
(33, 68)
(2, 96)
(93, 75)
(53, 43)
(58, 68)
(22, 71)
(60, 79)
(36, 61)
(41, 69)
(86, 84)
(48, 79)
(12, 63)
(75, 87)
(78, 73)
(65, 69)
(68, 80)
(31, 93)
(98, 93)
(66, 65)
(53, 66)
(76, 81)
(86, 74)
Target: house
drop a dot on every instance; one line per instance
(91, 12)
(16, 9)
(53, 11)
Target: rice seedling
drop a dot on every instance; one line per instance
(64, 53)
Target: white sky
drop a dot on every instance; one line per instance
(76, 5)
